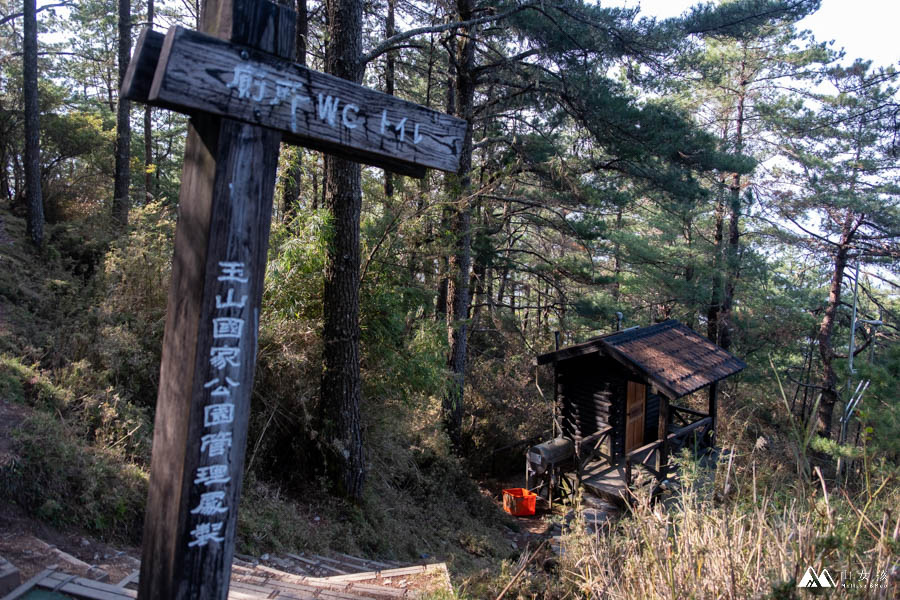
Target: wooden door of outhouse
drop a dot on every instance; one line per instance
(635, 408)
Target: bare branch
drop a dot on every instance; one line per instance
(14, 16)
(392, 41)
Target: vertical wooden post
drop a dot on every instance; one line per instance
(662, 465)
(713, 410)
(556, 427)
(210, 340)
(527, 472)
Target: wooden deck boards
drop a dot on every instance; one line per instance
(258, 582)
(608, 479)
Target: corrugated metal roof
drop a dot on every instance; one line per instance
(674, 357)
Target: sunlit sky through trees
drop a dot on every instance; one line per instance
(864, 28)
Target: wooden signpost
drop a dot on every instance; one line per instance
(244, 96)
(197, 73)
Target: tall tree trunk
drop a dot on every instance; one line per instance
(389, 83)
(443, 267)
(826, 348)
(341, 387)
(461, 229)
(458, 293)
(315, 180)
(849, 227)
(291, 189)
(301, 41)
(5, 188)
(19, 180)
(688, 226)
(505, 268)
(732, 251)
(715, 301)
(148, 129)
(442, 303)
(617, 260)
(290, 186)
(479, 272)
(34, 197)
(430, 71)
(121, 200)
(732, 265)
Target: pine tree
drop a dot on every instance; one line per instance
(842, 193)
(737, 80)
(341, 386)
(122, 177)
(34, 198)
(148, 128)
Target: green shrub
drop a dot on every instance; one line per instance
(126, 329)
(57, 477)
(29, 385)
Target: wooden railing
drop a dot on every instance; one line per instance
(639, 458)
(691, 433)
(696, 432)
(684, 414)
(674, 442)
(590, 448)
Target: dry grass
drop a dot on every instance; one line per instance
(717, 543)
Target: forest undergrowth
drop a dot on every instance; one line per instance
(80, 329)
(81, 351)
(725, 168)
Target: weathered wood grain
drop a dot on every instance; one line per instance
(259, 24)
(264, 24)
(81, 587)
(227, 223)
(209, 346)
(225, 208)
(139, 76)
(165, 517)
(313, 109)
(139, 79)
(256, 24)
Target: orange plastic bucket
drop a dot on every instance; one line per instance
(519, 502)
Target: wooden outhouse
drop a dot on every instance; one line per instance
(617, 399)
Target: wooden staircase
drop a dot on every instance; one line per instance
(355, 579)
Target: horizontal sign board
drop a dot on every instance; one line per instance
(200, 73)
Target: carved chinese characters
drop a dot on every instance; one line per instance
(213, 475)
(244, 97)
